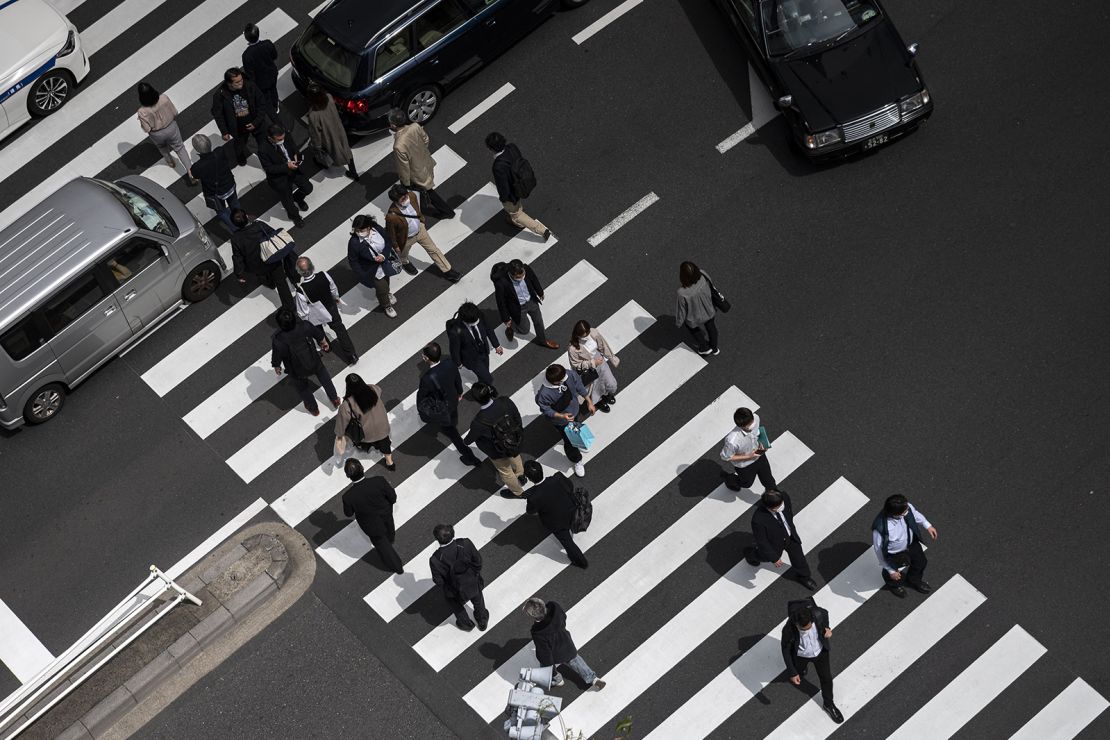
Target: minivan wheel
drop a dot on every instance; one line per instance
(45, 404)
(422, 103)
(50, 92)
(201, 282)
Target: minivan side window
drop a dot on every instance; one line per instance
(439, 21)
(72, 303)
(22, 339)
(392, 53)
(135, 256)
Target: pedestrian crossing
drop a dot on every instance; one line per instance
(671, 439)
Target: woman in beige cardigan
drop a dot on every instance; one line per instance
(589, 350)
(364, 402)
(158, 118)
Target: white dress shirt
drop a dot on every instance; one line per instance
(377, 246)
(741, 442)
(414, 222)
(809, 646)
(898, 536)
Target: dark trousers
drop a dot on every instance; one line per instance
(709, 328)
(458, 606)
(382, 540)
(452, 433)
(481, 368)
(573, 453)
(223, 208)
(824, 673)
(384, 446)
(566, 539)
(346, 348)
(430, 202)
(271, 94)
(240, 142)
(291, 189)
(917, 561)
(275, 277)
(305, 389)
(531, 310)
(794, 552)
(745, 476)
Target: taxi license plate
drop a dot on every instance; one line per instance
(875, 141)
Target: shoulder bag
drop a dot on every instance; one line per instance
(353, 430)
(719, 301)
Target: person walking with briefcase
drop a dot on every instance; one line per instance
(697, 306)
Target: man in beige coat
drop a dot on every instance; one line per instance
(415, 166)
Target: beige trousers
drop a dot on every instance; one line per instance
(510, 468)
(521, 219)
(429, 246)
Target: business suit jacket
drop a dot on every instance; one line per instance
(443, 560)
(413, 159)
(450, 385)
(790, 638)
(508, 307)
(274, 162)
(370, 501)
(481, 429)
(464, 350)
(503, 174)
(260, 64)
(770, 537)
(551, 501)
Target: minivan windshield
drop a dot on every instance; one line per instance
(792, 25)
(145, 211)
(333, 63)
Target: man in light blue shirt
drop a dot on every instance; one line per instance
(896, 538)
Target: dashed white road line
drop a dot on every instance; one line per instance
(467, 118)
(604, 20)
(630, 213)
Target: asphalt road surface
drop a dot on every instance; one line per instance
(928, 319)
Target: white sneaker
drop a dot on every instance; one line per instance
(392, 300)
(391, 312)
(580, 470)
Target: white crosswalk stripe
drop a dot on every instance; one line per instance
(113, 23)
(1065, 716)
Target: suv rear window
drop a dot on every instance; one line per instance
(22, 339)
(335, 64)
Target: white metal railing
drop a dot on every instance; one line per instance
(140, 602)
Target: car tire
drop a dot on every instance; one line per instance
(45, 404)
(422, 104)
(201, 282)
(50, 92)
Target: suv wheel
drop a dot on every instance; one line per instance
(49, 93)
(45, 404)
(201, 282)
(422, 103)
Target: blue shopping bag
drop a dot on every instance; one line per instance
(580, 436)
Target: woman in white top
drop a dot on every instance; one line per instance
(158, 117)
(588, 351)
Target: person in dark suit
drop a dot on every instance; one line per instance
(246, 258)
(457, 569)
(519, 294)
(775, 533)
(294, 348)
(471, 339)
(551, 501)
(282, 160)
(260, 64)
(240, 110)
(805, 640)
(370, 501)
(442, 382)
(493, 409)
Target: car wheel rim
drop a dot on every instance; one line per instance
(51, 93)
(46, 404)
(204, 282)
(422, 106)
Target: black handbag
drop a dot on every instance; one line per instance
(434, 409)
(353, 430)
(719, 301)
(589, 375)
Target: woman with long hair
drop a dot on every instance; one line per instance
(158, 117)
(591, 356)
(695, 308)
(363, 404)
(326, 132)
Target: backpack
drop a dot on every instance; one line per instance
(583, 510)
(507, 434)
(522, 175)
(303, 357)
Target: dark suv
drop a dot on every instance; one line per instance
(373, 56)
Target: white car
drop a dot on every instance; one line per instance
(41, 61)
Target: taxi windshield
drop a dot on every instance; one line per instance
(793, 25)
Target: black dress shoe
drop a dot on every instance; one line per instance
(921, 587)
(410, 268)
(522, 480)
(302, 205)
(608, 399)
(833, 712)
(899, 591)
(603, 408)
(471, 461)
(298, 222)
(464, 626)
(506, 493)
(483, 624)
(453, 276)
(808, 583)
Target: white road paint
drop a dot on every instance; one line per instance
(1065, 716)
(116, 21)
(604, 20)
(468, 117)
(763, 110)
(630, 213)
(20, 650)
(237, 522)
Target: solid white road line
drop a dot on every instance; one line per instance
(1065, 716)
(705, 615)
(399, 346)
(761, 664)
(221, 406)
(241, 317)
(468, 117)
(886, 659)
(221, 534)
(630, 213)
(643, 572)
(763, 110)
(116, 21)
(92, 99)
(604, 20)
(976, 687)
(418, 490)
(20, 650)
(495, 514)
(618, 502)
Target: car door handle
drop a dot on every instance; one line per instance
(490, 23)
(129, 296)
(433, 60)
(109, 311)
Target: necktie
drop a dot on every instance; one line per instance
(477, 338)
(782, 519)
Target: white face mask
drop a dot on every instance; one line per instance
(364, 235)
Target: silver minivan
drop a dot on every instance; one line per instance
(85, 274)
